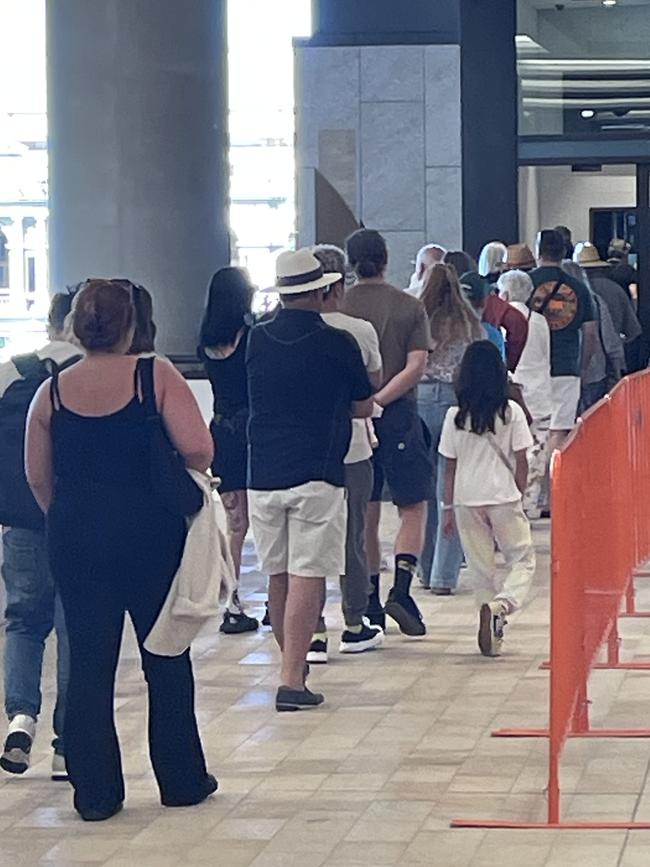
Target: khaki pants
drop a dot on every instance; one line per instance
(479, 528)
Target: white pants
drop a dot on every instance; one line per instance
(479, 528)
(538, 459)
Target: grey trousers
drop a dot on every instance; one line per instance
(355, 583)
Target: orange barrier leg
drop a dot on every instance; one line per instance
(630, 601)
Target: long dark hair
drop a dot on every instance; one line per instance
(227, 305)
(481, 388)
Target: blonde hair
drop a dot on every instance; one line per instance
(449, 313)
(492, 258)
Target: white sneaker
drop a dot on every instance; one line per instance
(492, 621)
(18, 745)
(59, 770)
(367, 638)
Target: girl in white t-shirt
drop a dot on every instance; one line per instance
(484, 440)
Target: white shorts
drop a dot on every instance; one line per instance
(300, 530)
(565, 397)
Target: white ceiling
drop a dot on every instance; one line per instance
(583, 4)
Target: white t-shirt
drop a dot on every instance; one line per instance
(366, 336)
(534, 369)
(482, 479)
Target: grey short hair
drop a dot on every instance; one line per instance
(331, 257)
(517, 284)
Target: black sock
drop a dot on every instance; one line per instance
(374, 599)
(405, 568)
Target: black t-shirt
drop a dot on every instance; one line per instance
(566, 314)
(302, 378)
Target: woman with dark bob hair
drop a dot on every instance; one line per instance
(224, 334)
(113, 547)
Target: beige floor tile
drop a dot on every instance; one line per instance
(401, 746)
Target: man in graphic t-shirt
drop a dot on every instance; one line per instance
(566, 303)
(306, 380)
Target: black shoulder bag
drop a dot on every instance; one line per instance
(172, 485)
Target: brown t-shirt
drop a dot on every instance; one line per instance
(399, 319)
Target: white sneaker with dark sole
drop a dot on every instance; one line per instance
(492, 621)
(18, 745)
(368, 638)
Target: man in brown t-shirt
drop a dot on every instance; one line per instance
(402, 459)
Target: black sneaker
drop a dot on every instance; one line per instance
(376, 614)
(234, 624)
(288, 699)
(266, 620)
(317, 652)
(358, 642)
(402, 608)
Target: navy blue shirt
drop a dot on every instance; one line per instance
(303, 376)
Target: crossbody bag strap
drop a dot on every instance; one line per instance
(499, 451)
(551, 295)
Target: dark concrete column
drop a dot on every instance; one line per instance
(489, 115)
(137, 106)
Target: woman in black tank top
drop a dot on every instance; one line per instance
(224, 336)
(114, 549)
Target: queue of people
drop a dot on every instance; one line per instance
(447, 399)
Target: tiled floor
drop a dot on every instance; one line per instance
(374, 776)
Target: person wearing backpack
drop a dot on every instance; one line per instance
(33, 607)
(567, 305)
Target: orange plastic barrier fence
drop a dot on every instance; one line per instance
(600, 536)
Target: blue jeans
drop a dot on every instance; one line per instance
(442, 555)
(33, 610)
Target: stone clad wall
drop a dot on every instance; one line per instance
(382, 126)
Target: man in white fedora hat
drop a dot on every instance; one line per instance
(306, 382)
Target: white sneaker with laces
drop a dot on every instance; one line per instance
(18, 745)
(492, 621)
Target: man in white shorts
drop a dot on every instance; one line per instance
(567, 306)
(306, 381)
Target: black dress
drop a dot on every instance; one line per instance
(230, 392)
(114, 549)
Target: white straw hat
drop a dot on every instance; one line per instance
(301, 272)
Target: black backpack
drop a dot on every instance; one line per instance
(18, 508)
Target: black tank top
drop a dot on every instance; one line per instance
(228, 379)
(99, 452)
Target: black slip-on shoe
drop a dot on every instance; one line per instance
(100, 815)
(209, 788)
(288, 699)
